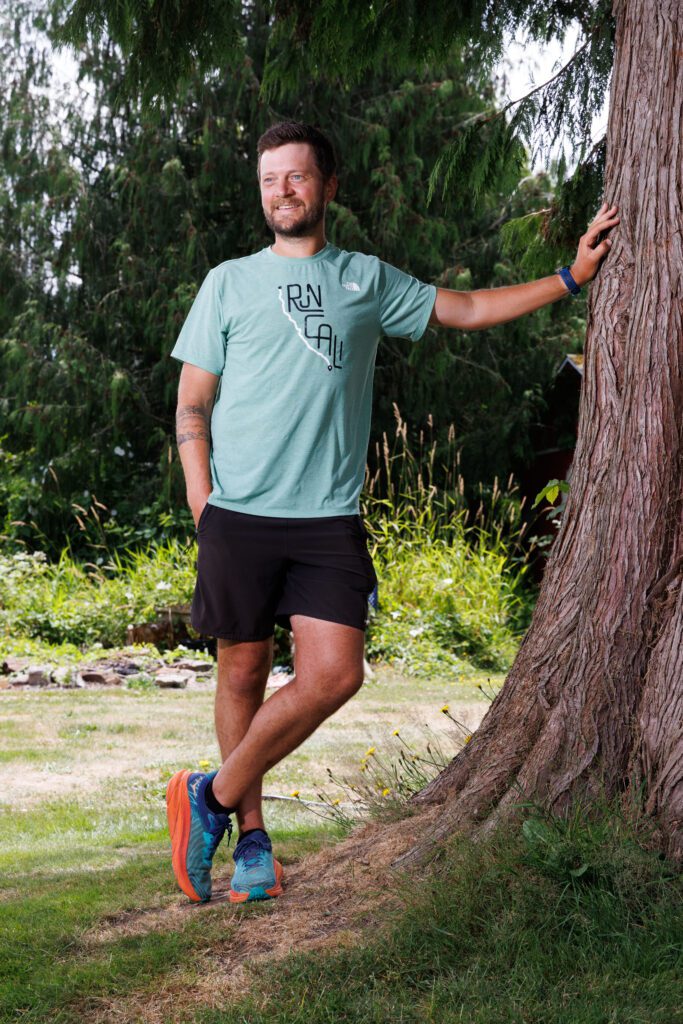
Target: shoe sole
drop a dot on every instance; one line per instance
(259, 892)
(179, 823)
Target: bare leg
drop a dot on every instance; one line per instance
(243, 669)
(329, 670)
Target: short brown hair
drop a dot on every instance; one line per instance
(296, 131)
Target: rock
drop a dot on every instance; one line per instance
(125, 667)
(62, 676)
(120, 666)
(4, 683)
(99, 677)
(19, 679)
(193, 665)
(12, 664)
(39, 675)
(173, 678)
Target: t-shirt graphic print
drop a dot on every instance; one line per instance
(294, 342)
(307, 304)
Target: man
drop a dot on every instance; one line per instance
(273, 423)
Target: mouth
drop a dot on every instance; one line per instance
(288, 206)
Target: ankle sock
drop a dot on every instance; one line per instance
(213, 804)
(248, 832)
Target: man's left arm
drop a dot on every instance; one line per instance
(472, 311)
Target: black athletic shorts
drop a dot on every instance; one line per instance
(254, 571)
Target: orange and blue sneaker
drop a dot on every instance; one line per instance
(257, 875)
(196, 832)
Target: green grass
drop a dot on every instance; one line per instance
(72, 866)
(575, 923)
(83, 838)
(53, 907)
(497, 933)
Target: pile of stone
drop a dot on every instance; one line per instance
(116, 671)
(122, 669)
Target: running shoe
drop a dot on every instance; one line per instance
(195, 832)
(257, 875)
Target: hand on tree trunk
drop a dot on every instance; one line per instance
(593, 246)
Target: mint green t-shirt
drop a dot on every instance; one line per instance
(294, 341)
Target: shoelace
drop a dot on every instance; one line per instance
(251, 852)
(228, 830)
(215, 839)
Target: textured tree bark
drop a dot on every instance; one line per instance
(594, 701)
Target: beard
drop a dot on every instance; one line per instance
(299, 227)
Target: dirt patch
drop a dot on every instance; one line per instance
(330, 898)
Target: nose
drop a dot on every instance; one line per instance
(284, 188)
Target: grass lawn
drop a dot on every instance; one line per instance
(83, 841)
(549, 922)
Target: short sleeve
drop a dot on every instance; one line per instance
(405, 304)
(202, 338)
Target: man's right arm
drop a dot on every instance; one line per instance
(196, 394)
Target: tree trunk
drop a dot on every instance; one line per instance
(594, 702)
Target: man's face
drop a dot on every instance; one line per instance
(293, 192)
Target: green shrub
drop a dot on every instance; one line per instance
(448, 599)
(452, 580)
(66, 602)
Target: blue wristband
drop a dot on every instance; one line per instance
(566, 275)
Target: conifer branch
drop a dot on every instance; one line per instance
(485, 118)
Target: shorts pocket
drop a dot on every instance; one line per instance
(202, 517)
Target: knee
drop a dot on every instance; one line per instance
(244, 685)
(334, 690)
(243, 670)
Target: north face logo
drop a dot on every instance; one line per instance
(351, 286)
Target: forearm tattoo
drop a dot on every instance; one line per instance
(192, 423)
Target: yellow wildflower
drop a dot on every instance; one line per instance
(335, 802)
(386, 792)
(370, 751)
(467, 739)
(395, 733)
(445, 709)
(295, 792)
(204, 764)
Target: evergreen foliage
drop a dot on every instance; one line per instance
(341, 42)
(113, 210)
